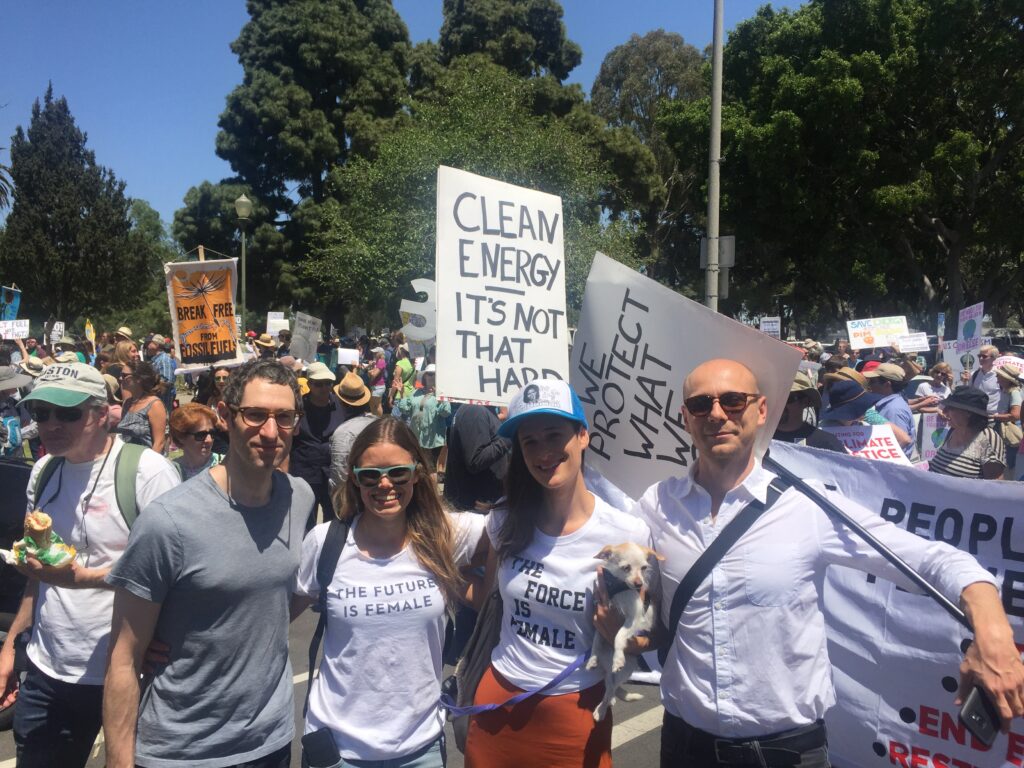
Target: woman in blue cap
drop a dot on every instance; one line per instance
(544, 545)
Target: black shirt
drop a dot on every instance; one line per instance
(812, 436)
(477, 458)
(311, 445)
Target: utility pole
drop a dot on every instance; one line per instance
(714, 162)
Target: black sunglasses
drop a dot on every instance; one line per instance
(201, 435)
(66, 415)
(733, 403)
(370, 477)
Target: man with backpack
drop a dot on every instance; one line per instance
(91, 485)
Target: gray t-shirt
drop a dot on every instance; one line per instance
(223, 575)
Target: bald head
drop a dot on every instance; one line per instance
(720, 375)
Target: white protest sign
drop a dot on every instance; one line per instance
(420, 317)
(636, 342)
(348, 356)
(276, 323)
(969, 327)
(960, 358)
(305, 337)
(871, 442)
(57, 332)
(876, 331)
(932, 434)
(1014, 363)
(772, 326)
(500, 270)
(14, 329)
(913, 342)
(895, 654)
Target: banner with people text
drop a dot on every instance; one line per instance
(201, 295)
(896, 655)
(500, 271)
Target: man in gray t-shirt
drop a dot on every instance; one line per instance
(208, 571)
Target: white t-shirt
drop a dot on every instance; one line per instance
(547, 599)
(927, 389)
(72, 626)
(380, 678)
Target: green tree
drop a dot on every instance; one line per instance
(68, 241)
(323, 80)
(379, 232)
(872, 156)
(526, 37)
(635, 79)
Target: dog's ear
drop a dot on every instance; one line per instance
(605, 553)
(651, 554)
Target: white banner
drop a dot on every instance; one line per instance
(772, 326)
(913, 342)
(305, 337)
(875, 442)
(876, 331)
(500, 271)
(276, 323)
(14, 329)
(636, 342)
(896, 655)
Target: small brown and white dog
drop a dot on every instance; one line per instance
(627, 569)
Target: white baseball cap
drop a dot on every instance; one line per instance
(552, 396)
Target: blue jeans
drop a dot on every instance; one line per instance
(431, 756)
(55, 723)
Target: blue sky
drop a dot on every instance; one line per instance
(147, 80)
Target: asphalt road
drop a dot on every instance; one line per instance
(634, 737)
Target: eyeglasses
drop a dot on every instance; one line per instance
(201, 435)
(370, 477)
(65, 415)
(220, 378)
(257, 417)
(733, 403)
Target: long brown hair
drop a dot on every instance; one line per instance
(427, 527)
(525, 502)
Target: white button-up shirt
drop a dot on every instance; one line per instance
(749, 657)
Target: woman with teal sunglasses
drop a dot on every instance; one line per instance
(397, 579)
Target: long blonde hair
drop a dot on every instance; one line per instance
(428, 529)
(122, 352)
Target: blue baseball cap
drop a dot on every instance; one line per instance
(552, 396)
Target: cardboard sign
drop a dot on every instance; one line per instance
(305, 337)
(348, 356)
(871, 442)
(419, 318)
(57, 332)
(14, 329)
(961, 358)
(932, 434)
(90, 331)
(636, 342)
(201, 296)
(913, 342)
(1015, 364)
(876, 331)
(969, 327)
(500, 270)
(10, 301)
(772, 326)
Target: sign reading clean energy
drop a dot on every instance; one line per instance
(500, 270)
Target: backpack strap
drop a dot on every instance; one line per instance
(126, 471)
(49, 470)
(711, 556)
(330, 553)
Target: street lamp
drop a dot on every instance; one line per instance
(243, 208)
(714, 160)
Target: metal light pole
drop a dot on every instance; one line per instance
(714, 161)
(243, 208)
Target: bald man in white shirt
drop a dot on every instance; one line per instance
(747, 680)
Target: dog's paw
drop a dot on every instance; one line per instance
(600, 711)
(624, 696)
(618, 662)
(592, 662)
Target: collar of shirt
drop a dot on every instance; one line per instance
(753, 486)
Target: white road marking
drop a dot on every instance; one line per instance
(635, 727)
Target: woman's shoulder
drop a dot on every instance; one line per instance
(626, 524)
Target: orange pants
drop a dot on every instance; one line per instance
(540, 732)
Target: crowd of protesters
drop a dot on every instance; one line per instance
(200, 566)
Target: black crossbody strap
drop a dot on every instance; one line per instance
(711, 556)
(330, 553)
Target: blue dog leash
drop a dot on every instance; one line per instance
(456, 711)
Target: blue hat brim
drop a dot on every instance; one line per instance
(853, 409)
